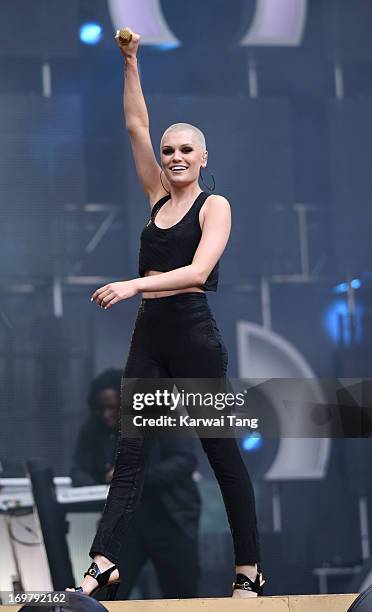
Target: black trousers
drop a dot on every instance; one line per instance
(155, 536)
(176, 337)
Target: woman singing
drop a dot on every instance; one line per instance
(175, 334)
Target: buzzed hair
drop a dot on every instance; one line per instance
(198, 134)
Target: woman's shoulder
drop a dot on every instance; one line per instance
(215, 199)
(216, 196)
(158, 199)
(215, 207)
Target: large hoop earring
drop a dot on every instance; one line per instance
(207, 186)
(163, 183)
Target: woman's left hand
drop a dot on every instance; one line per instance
(112, 293)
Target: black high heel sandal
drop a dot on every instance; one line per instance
(102, 579)
(243, 582)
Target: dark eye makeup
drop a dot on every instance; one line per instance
(169, 150)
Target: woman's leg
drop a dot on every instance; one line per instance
(133, 556)
(238, 495)
(199, 352)
(143, 365)
(126, 486)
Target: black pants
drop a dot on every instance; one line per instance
(155, 536)
(177, 337)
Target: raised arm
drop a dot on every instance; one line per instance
(137, 123)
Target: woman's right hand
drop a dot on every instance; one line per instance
(129, 50)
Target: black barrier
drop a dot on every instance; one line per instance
(363, 603)
(52, 522)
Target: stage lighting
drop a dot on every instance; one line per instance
(337, 322)
(167, 46)
(341, 288)
(90, 33)
(355, 283)
(252, 442)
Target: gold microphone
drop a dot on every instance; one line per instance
(125, 36)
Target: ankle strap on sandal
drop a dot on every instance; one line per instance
(101, 577)
(243, 582)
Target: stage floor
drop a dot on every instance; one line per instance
(294, 603)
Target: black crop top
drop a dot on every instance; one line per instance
(174, 247)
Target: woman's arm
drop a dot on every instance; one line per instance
(137, 122)
(215, 234)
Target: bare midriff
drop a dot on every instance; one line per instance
(158, 294)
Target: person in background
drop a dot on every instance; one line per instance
(166, 524)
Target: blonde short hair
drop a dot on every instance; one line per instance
(197, 134)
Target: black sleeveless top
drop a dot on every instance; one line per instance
(174, 247)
